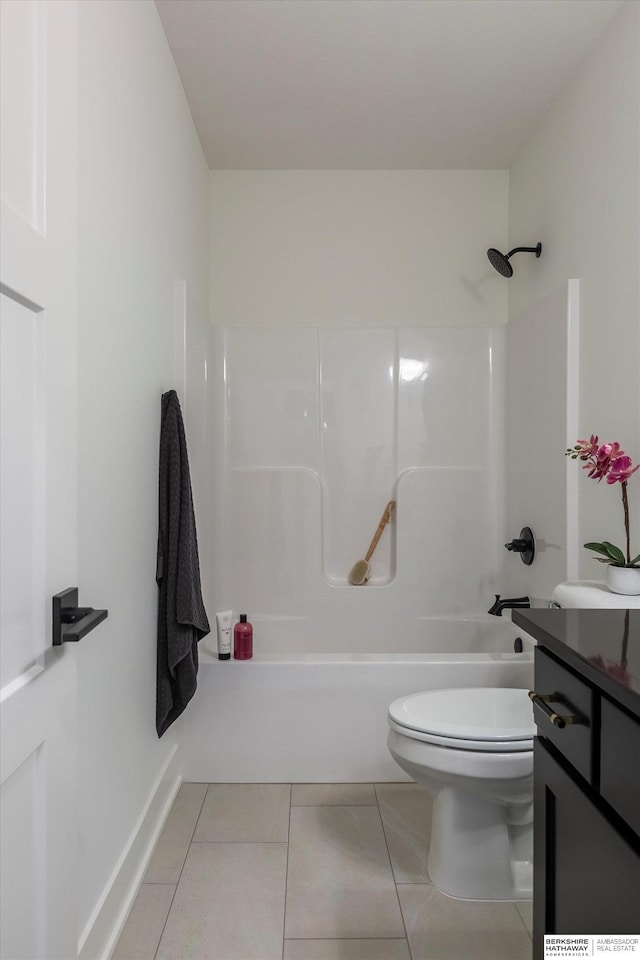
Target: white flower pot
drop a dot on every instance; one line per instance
(624, 580)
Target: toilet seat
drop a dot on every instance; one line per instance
(484, 746)
(490, 719)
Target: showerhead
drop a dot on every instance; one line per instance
(500, 261)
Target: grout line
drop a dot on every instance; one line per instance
(523, 920)
(175, 889)
(304, 939)
(286, 872)
(384, 834)
(308, 805)
(430, 883)
(236, 842)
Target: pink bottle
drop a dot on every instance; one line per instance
(243, 639)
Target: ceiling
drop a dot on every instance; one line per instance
(375, 84)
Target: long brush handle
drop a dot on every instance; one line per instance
(386, 516)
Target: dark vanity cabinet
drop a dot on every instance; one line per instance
(586, 772)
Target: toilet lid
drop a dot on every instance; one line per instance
(495, 714)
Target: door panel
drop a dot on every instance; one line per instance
(23, 114)
(22, 434)
(37, 473)
(38, 822)
(20, 838)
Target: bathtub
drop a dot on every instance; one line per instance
(291, 715)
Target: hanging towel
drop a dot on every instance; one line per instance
(182, 619)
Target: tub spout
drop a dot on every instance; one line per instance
(512, 603)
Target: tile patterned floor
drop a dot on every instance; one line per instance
(307, 872)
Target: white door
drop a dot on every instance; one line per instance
(38, 542)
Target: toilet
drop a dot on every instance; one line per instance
(472, 749)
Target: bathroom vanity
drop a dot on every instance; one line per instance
(586, 771)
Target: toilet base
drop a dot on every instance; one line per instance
(480, 850)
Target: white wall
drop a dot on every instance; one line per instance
(541, 418)
(357, 248)
(575, 188)
(142, 225)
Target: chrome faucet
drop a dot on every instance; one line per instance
(513, 603)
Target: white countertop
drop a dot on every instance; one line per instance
(585, 594)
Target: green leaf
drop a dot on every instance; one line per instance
(635, 560)
(614, 552)
(598, 547)
(610, 553)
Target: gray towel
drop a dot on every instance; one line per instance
(182, 619)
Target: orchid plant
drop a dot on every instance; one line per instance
(608, 461)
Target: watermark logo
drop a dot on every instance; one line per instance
(562, 946)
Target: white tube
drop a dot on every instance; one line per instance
(223, 621)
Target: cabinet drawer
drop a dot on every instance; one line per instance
(567, 696)
(620, 762)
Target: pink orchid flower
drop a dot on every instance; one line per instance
(621, 469)
(587, 448)
(598, 462)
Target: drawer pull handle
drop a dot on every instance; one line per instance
(542, 700)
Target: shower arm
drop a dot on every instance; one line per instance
(522, 250)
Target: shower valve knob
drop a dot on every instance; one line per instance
(518, 546)
(524, 545)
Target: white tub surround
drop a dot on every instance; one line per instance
(311, 432)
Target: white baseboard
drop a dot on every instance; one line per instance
(105, 924)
